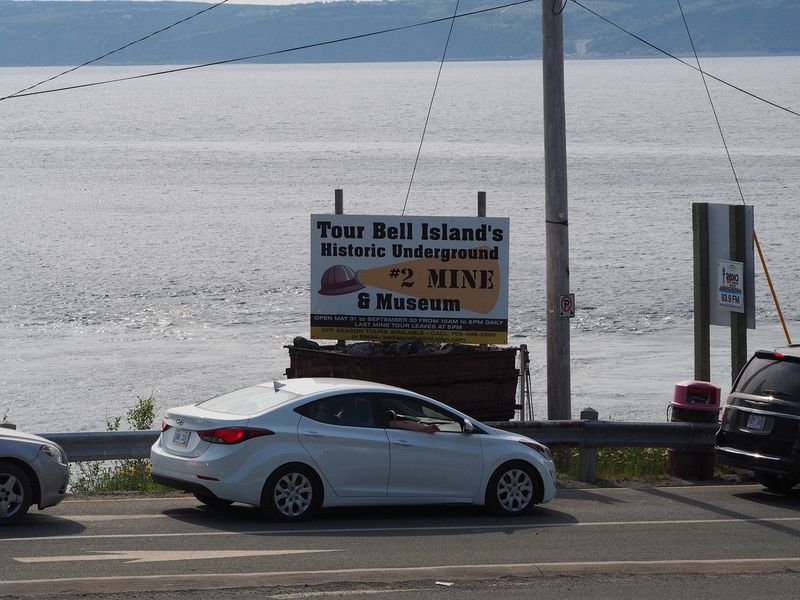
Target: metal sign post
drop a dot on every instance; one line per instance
(724, 282)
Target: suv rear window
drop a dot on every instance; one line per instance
(771, 376)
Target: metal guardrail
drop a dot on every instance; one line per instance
(114, 445)
(617, 434)
(104, 445)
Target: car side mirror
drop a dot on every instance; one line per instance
(468, 426)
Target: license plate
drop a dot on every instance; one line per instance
(181, 437)
(756, 421)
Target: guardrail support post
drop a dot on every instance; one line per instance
(587, 456)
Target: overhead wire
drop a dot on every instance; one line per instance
(683, 62)
(735, 176)
(23, 94)
(711, 102)
(430, 106)
(121, 48)
(269, 54)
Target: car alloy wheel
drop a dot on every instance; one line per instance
(292, 493)
(15, 493)
(513, 489)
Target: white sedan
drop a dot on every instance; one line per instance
(296, 445)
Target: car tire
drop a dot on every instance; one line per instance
(212, 501)
(16, 493)
(292, 493)
(782, 484)
(513, 489)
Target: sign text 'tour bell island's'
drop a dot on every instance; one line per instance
(439, 279)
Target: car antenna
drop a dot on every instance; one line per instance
(277, 385)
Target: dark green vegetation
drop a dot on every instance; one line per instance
(616, 463)
(626, 464)
(67, 33)
(119, 475)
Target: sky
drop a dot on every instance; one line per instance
(271, 2)
(263, 2)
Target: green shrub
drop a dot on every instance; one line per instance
(616, 463)
(127, 475)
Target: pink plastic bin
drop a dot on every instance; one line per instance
(696, 395)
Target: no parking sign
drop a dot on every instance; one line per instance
(566, 306)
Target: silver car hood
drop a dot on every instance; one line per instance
(16, 435)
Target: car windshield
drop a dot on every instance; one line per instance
(248, 401)
(770, 377)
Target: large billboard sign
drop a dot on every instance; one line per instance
(386, 278)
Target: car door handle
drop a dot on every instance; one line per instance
(314, 434)
(403, 443)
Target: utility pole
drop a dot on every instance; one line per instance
(557, 224)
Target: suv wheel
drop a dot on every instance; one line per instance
(781, 484)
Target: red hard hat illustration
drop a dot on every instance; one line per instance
(339, 279)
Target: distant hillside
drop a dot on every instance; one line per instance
(42, 32)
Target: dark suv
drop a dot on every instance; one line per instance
(760, 428)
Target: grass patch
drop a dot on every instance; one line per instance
(619, 464)
(129, 475)
(616, 463)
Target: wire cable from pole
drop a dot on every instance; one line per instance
(289, 50)
(107, 54)
(430, 106)
(683, 62)
(22, 94)
(711, 102)
(735, 176)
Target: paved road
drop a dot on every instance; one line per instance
(708, 538)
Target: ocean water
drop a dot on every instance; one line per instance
(155, 232)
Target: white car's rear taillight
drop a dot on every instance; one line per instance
(232, 435)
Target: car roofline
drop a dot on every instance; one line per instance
(304, 386)
(791, 351)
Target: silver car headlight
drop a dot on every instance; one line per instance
(54, 452)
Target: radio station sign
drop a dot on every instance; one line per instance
(385, 278)
(730, 285)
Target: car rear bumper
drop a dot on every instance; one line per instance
(780, 465)
(182, 484)
(221, 472)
